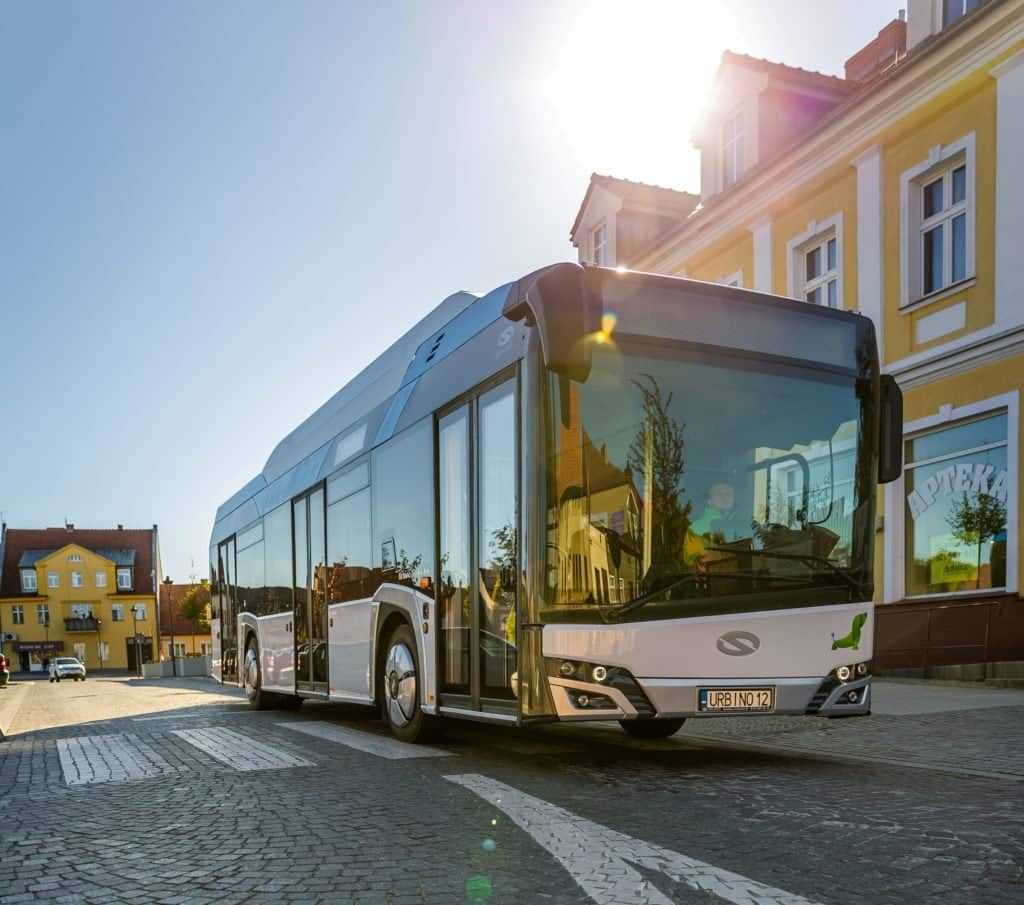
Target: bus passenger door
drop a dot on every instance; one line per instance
(478, 548)
(228, 612)
(310, 591)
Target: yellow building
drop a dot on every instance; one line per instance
(896, 192)
(80, 593)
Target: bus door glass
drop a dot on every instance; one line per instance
(229, 613)
(310, 608)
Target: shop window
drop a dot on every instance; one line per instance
(958, 487)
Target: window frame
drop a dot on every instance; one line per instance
(101, 579)
(77, 579)
(117, 612)
(17, 614)
(53, 579)
(733, 148)
(43, 609)
(124, 572)
(599, 244)
(29, 581)
(816, 236)
(942, 160)
(896, 500)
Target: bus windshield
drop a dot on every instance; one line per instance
(685, 480)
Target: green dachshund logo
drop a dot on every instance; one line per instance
(851, 640)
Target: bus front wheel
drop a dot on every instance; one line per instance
(651, 728)
(252, 680)
(400, 687)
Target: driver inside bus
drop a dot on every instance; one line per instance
(718, 511)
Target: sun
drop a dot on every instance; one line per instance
(628, 81)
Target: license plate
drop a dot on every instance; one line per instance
(736, 700)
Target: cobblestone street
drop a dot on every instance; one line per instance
(172, 791)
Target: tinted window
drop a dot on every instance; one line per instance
(403, 508)
(277, 558)
(352, 575)
(251, 596)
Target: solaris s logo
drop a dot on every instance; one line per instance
(738, 644)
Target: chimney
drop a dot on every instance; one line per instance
(69, 526)
(888, 46)
(120, 527)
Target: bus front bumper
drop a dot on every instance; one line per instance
(671, 698)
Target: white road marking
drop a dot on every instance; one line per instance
(239, 751)
(109, 758)
(371, 743)
(600, 860)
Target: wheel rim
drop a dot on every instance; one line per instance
(251, 672)
(400, 684)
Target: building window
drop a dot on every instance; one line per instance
(18, 615)
(75, 557)
(117, 612)
(43, 613)
(732, 150)
(204, 648)
(937, 219)
(76, 580)
(958, 486)
(139, 610)
(52, 580)
(956, 9)
(600, 242)
(814, 265)
(176, 649)
(81, 610)
(80, 651)
(29, 582)
(124, 579)
(101, 579)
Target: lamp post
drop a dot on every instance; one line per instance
(174, 659)
(138, 650)
(99, 642)
(46, 647)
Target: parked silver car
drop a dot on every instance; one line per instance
(66, 668)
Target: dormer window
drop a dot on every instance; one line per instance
(124, 578)
(75, 557)
(29, 582)
(600, 244)
(732, 150)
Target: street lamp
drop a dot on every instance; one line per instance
(99, 642)
(138, 650)
(174, 660)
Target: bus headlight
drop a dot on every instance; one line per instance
(843, 673)
(567, 669)
(862, 669)
(599, 673)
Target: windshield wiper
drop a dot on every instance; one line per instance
(638, 602)
(806, 559)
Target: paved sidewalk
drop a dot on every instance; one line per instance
(970, 730)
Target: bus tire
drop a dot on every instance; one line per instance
(252, 678)
(651, 728)
(400, 687)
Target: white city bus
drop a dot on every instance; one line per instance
(586, 495)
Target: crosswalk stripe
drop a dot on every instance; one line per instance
(601, 860)
(109, 758)
(371, 743)
(238, 751)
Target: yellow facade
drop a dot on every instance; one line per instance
(864, 175)
(86, 583)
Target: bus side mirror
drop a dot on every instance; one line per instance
(890, 430)
(566, 312)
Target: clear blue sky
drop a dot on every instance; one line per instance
(214, 214)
